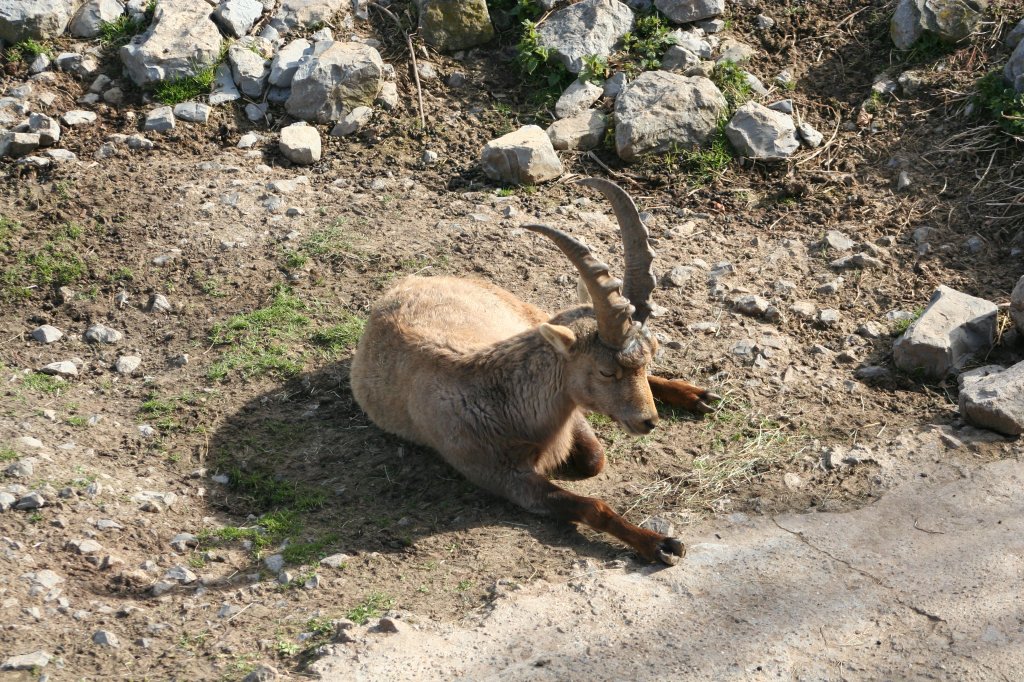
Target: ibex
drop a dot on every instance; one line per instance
(501, 389)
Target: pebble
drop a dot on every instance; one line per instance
(30, 442)
(160, 119)
(751, 305)
(86, 546)
(248, 140)
(335, 560)
(155, 502)
(99, 333)
(274, 562)
(180, 574)
(32, 661)
(194, 112)
(105, 638)
(127, 364)
(147, 431)
(64, 368)
(182, 541)
(158, 303)
(7, 501)
(869, 330)
(21, 468)
(829, 317)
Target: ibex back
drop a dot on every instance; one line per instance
(501, 389)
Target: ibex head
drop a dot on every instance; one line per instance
(607, 361)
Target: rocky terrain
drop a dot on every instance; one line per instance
(201, 201)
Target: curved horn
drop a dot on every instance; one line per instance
(613, 310)
(637, 252)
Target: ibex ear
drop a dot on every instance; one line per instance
(561, 338)
(581, 292)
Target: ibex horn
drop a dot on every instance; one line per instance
(637, 253)
(613, 310)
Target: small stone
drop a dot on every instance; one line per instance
(429, 157)
(7, 501)
(300, 144)
(22, 468)
(35, 660)
(86, 546)
(47, 334)
(77, 117)
(829, 317)
(353, 122)
(105, 638)
(194, 112)
(180, 574)
(158, 303)
(30, 442)
(677, 276)
(155, 502)
(809, 135)
(659, 525)
(127, 364)
(838, 241)
(147, 431)
(263, 673)
(64, 368)
(751, 305)
(160, 119)
(274, 562)
(248, 140)
(335, 560)
(182, 541)
(99, 333)
(857, 260)
(902, 181)
(228, 610)
(869, 330)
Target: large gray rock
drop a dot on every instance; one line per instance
(343, 77)
(995, 401)
(661, 109)
(92, 15)
(952, 328)
(287, 60)
(590, 27)
(523, 157)
(583, 131)
(47, 129)
(293, 14)
(238, 16)
(300, 143)
(950, 20)
(224, 88)
(577, 98)
(1017, 305)
(33, 19)
(181, 40)
(249, 70)
(16, 145)
(758, 132)
(455, 24)
(1014, 69)
(685, 11)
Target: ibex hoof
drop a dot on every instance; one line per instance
(705, 406)
(671, 551)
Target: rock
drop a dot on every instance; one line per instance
(783, 106)
(224, 89)
(255, 112)
(180, 574)
(155, 502)
(47, 334)
(751, 305)
(952, 328)
(353, 121)
(660, 110)
(869, 330)
(293, 14)
(249, 69)
(678, 58)
(127, 364)
(263, 673)
(837, 240)
(181, 40)
(300, 143)
(950, 20)
(45, 127)
(685, 11)
(758, 132)
(388, 97)
(76, 117)
(451, 25)
(248, 140)
(734, 51)
(829, 317)
(22, 468)
(158, 303)
(18, 144)
(194, 112)
(7, 501)
(182, 541)
(61, 155)
(65, 368)
(587, 28)
(577, 98)
(160, 119)
(146, 431)
(30, 501)
(996, 401)
(335, 560)
(613, 86)
(857, 260)
(583, 131)
(1014, 69)
(810, 136)
(40, 63)
(140, 141)
(32, 661)
(99, 333)
(274, 562)
(86, 546)
(1017, 305)
(238, 16)
(85, 66)
(522, 157)
(342, 77)
(287, 60)
(91, 16)
(33, 20)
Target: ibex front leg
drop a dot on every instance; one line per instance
(681, 394)
(538, 494)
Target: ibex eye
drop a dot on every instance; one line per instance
(607, 375)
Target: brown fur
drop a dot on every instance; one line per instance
(501, 389)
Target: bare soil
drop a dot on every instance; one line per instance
(264, 398)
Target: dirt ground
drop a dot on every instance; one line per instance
(246, 378)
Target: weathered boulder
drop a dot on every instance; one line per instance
(353, 122)
(16, 145)
(995, 401)
(679, 59)
(758, 132)
(685, 11)
(91, 16)
(455, 24)
(1014, 69)
(660, 109)
(950, 20)
(224, 88)
(342, 77)
(250, 70)
(300, 143)
(287, 60)
(1017, 305)
(583, 131)
(293, 14)
(952, 328)
(238, 16)
(590, 27)
(577, 98)
(33, 19)
(523, 157)
(181, 40)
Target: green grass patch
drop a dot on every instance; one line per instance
(704, 164)
(43, 383)
(342, 336)
(330, 244)
(54, 263)
(899, 327)
(644, 46)
(732, 81)
(27, 50)
(268, 492)
(114, 34)
(1000, 102)
(7, 454)
(308, 552)
(76, 420)
(375, 604)
(270, 529)
(185, 88)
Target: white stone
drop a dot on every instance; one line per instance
(353, 121)
(33, 19)
(1017, 305)
(181, 39)
(32, 661)
(287, 60)
(92, 15)
(342, 77)
(996, 401)
(160, 119)
(522, 157)
(47, 334)
(195, 112)
(224, 88)
(758, 132)
(587, 28)
(238, 16)
(127, 364)
(65, 368)
(249, 70)
(300, 143)
(583, 131)
(685, 11)
(577, 98)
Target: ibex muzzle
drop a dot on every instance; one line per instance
(501, 389)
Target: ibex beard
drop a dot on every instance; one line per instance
(501, 389)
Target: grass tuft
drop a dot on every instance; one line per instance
(375, 604)
(732, 81)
